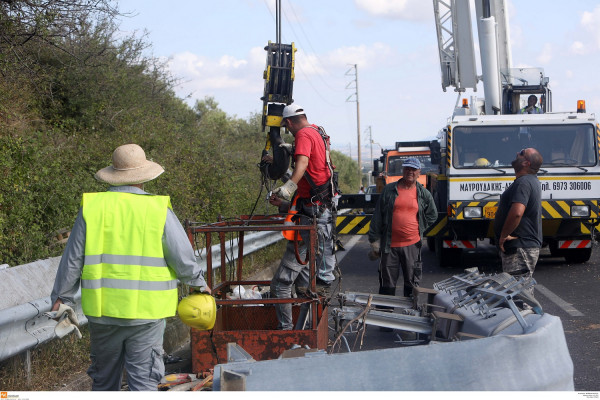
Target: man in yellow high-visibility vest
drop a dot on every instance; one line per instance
(126, 251)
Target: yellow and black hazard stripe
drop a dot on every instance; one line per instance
(439, 227)
(448, 148)
(488, 209)
(598, 137)
(561, 209)
(353, 224)
(551, 209)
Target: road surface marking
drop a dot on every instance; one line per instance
(340, 255)
(567, 307)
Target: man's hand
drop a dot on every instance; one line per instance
(56, 305)
(502, 240)
(375, 253)
(286, 191)
(276, 201)
(203, 289)
(375, 246)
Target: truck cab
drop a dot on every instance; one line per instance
(478, 150)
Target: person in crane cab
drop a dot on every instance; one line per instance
(531, 106)
(126, 250)
(311, 192)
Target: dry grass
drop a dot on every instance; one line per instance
(51, 365)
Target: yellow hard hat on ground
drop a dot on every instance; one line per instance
(198, 310)
(482, 162)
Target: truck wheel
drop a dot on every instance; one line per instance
(554, 250)
(577, 256)
(431, 244)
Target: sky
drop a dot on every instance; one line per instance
(216, 49)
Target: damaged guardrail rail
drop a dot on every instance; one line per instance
(26, 293)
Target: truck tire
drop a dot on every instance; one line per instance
(577, 256)
(554, 250)
(431, 244)
(572, 256)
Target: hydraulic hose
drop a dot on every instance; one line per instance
(281, 157)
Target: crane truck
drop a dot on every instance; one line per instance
(482, 137)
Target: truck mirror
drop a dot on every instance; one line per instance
(375, 168)
(436, 152)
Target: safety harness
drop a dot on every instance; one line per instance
(321, 198)
(322, 195)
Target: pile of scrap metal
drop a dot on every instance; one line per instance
(466, 306)
(469, 332)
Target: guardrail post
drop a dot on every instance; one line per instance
(28, 366)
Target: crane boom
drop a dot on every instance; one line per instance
(455, 42)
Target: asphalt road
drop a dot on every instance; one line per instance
(567, 291)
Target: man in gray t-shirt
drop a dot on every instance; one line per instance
(518, 222)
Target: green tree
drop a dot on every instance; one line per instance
(346, 169)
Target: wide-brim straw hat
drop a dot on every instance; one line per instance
(129, 167)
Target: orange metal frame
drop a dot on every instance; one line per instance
(252, 324)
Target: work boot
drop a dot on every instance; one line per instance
(323, 283)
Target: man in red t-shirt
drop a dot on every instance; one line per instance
(311, 156)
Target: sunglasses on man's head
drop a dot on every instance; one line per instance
(522, 154)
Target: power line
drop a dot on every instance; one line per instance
(308, 80)
(306, 76)
(311, 47)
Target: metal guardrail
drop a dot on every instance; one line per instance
(24, 326)
(253, 242)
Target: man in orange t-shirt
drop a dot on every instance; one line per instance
(404, 211)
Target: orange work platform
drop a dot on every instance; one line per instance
(252, 324)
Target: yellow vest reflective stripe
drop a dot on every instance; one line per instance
(125, 274)
(291, 235)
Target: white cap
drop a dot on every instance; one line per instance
(293, 110)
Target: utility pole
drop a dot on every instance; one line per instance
(355, 94)
(371, 144)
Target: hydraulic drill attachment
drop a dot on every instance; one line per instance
(279, 80)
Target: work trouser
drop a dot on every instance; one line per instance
(326, 260)
(521, 262)
(389, 269)
(138, 349)
(325, 257)
(291, 272)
